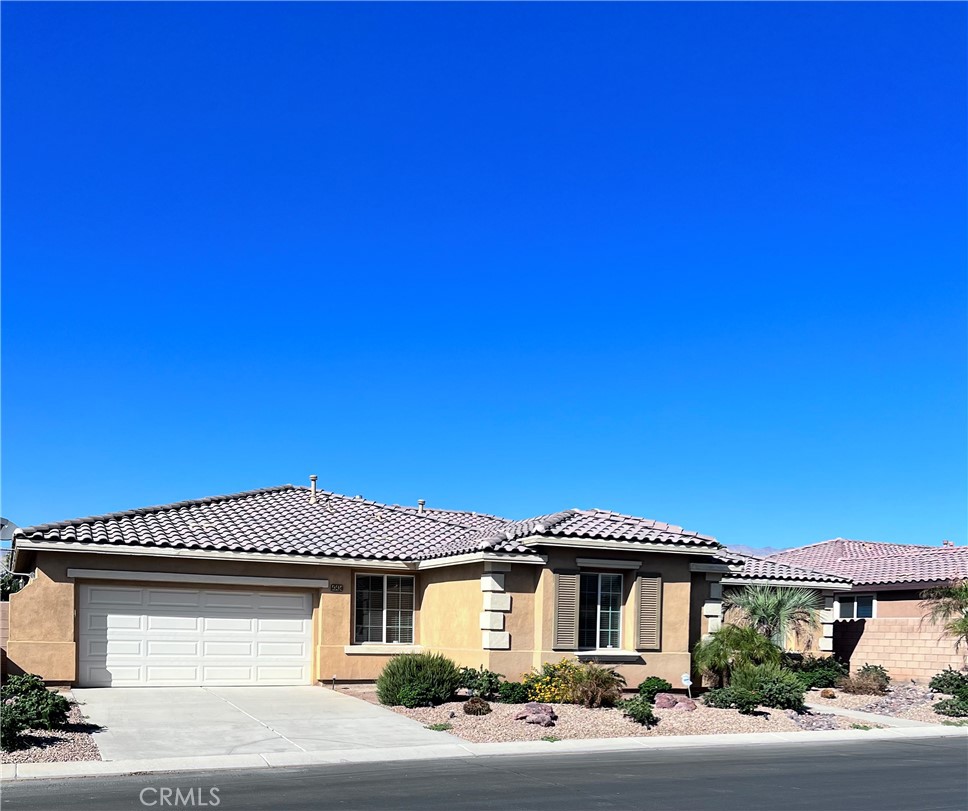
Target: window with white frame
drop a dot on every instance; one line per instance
(384, 609)
(855, 606)
(599, 611)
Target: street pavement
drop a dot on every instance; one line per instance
(925, 774)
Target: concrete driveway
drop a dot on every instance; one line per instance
(155, 722)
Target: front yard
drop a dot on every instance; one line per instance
(72, 741)
(901, 701)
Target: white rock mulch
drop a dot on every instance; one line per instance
(580, 722)
(74, 742)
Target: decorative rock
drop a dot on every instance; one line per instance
(665, 701)
(685, 704)
(827, 693)
(535, 713)
(541, 719)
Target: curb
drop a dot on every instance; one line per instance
(275, 760)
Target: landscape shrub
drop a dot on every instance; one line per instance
(481, 682)
(956, 707)
(652, 686)
(595, 686)
(875, 673)
(22, 685)
(775, 687)
(26, 697)
(476, 705)
(639, 709)
(512, 692)
(12, 724)
(949, 681)
(815, 672)
(732, 646)
(733, 698)
(418, 679)
(44, 710)
(551, 684)
(867, 684)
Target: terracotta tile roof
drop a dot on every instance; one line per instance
(872, 562)
(757, 568)
(281, 520)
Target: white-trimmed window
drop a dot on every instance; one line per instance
(383, 609)
(599, 611)
(856, 606)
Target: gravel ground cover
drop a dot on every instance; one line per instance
(74, 742)
(901, 701)
(579, 722)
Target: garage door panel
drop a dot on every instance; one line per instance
(170, 598)
(193, 637)
(227, 648)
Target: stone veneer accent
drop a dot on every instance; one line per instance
(495, 604)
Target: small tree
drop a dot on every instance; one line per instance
(948, 606)
(730, 647)
(776, 610)
(9, 582)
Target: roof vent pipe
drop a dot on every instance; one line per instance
(421, 503)
(312, 490)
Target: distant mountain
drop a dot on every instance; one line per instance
(761, 551)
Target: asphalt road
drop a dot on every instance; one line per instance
(914, 775)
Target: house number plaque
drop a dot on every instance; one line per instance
(335, 586)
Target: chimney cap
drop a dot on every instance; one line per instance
(421, 504)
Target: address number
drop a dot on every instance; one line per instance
(335, 586)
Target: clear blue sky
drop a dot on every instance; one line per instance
(703, 263)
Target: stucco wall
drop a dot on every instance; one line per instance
(450, 609)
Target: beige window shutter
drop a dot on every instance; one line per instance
(648, 620)
(566, 611)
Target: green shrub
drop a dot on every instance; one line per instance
(512, 692)
(480, 682)
(594, 686)
(652, 686)
(418, 679)
(815, 672)
(949, 681)
(955, 707)
(44, 710)
(23, 685)
(639, 709)
(732, 646)
(733, 698)
(775, 688)
(12, 723)
(875, 673)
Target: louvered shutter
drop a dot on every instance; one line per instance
(648, 620)
(566, 611)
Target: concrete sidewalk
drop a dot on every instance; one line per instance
(450, 747)
(867, 717)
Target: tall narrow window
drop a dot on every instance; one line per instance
(384, 609)
(600, 611)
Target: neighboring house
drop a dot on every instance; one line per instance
(880, 620)
(758, 571)
(288, 585)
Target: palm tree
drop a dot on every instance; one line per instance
(948, 606)
(730, 647)
(774, 611)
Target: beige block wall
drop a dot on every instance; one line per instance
(908, 647)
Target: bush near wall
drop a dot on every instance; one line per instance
(418, 680)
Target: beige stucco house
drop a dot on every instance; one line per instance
(290, 585)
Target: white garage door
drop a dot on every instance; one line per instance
(132, 636)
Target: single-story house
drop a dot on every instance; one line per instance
(872, 600)
(294, 585)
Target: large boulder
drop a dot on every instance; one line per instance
(541, 719)
(535, 713)
(685, 704)
(665, 701)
